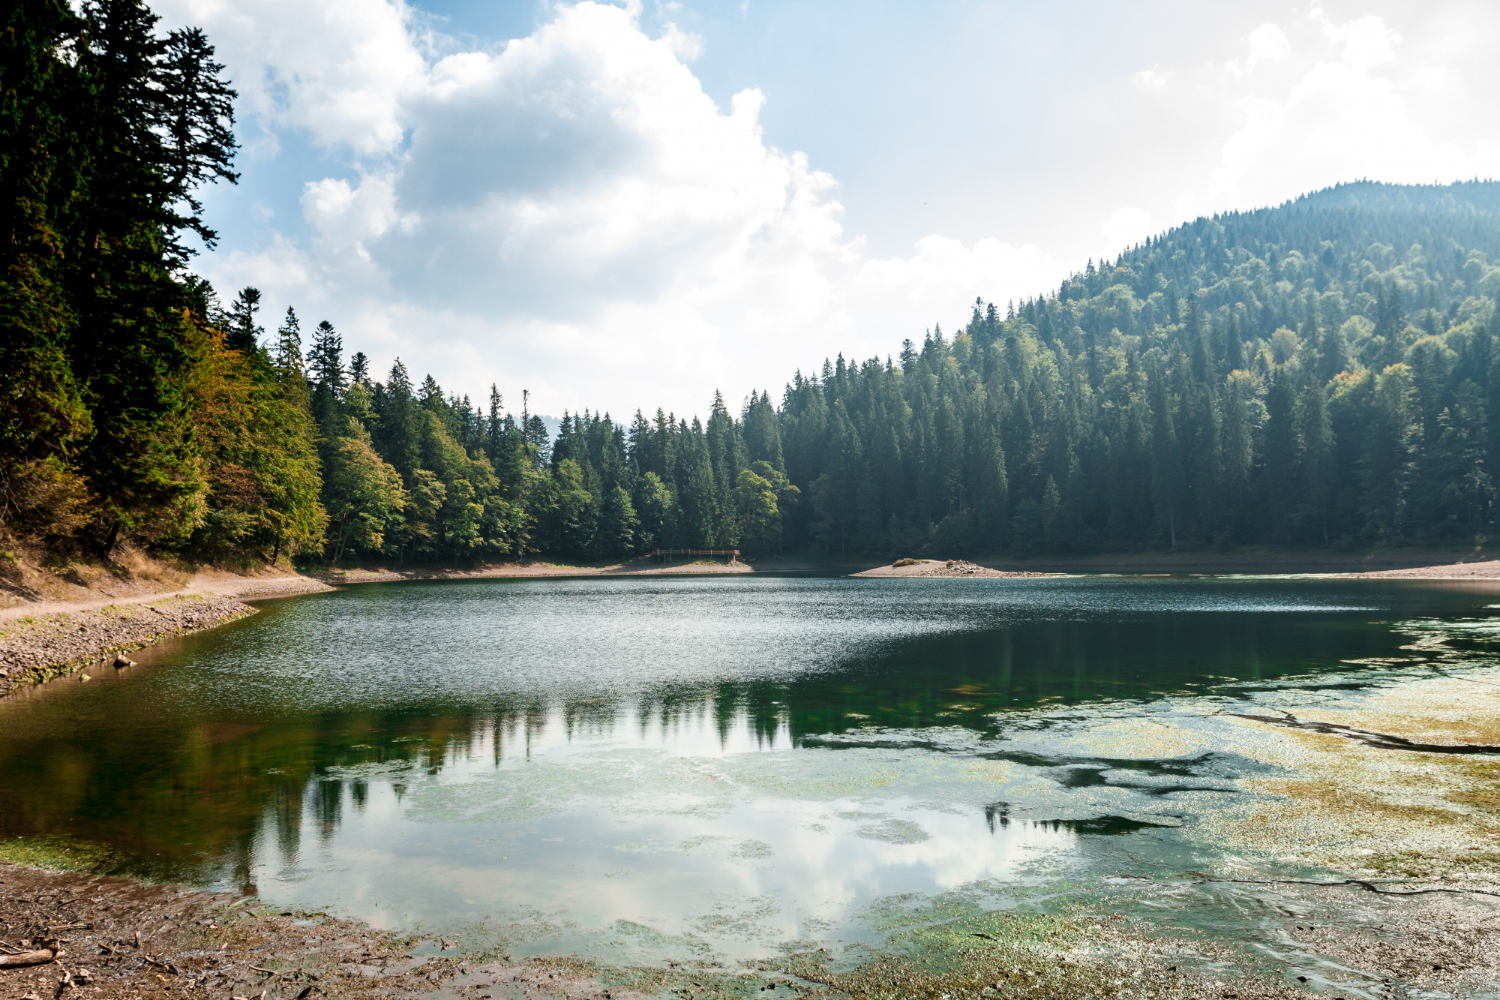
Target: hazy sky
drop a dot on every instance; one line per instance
(630, 206)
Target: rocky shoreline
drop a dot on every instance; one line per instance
(37, 648)
(68, 934)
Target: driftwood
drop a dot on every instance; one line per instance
(1383, 741)
(1364, 884)
(40, 957)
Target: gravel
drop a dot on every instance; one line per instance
(37, 648)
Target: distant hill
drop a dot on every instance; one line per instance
(1476, 197)
(1317, 373)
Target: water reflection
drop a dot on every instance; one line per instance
(721, 761)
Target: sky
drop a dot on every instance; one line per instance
(632, 205)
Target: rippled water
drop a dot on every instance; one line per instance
(711, 765)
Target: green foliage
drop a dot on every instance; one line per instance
(107, 130)
(756, 496)
(259, 456)
(656, 509)
(1315, 374)
(365, 497)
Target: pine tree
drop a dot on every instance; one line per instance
(243, 333)
(326, 364)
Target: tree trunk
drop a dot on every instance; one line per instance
(109, 543)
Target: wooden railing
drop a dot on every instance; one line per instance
(663, 555)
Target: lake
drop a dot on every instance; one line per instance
(725, 767)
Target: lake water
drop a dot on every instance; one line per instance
(712, 766)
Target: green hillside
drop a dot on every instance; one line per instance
(1316, 373)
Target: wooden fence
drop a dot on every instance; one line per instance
(663, 555)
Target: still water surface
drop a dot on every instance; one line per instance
(711, 765)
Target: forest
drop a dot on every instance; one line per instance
(1315, 375)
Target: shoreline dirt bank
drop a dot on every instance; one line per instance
(1488, 569)
(45, 639)
(39, 647)
(519, 571)
(119, 937)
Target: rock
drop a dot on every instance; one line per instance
(122, 661)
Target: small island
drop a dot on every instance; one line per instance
(913, 568)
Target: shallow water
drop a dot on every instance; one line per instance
(710, 766)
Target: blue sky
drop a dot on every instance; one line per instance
(632, 205)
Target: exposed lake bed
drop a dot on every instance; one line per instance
(889, 787)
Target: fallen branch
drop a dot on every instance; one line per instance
(1364, 884)
(39, 957)
(1383, 741)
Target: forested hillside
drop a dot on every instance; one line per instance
(1314, 375)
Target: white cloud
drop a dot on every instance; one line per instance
(1126, 227)
(336, 68)
(685, 44)
(346, 217)
(1153, 80)
(1347, 114)
(1367, 41)
(572, 213)
(944, 275)
(281, 266)
(1267, 42)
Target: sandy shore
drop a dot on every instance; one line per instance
(509, 571)
(915, 568)
(1489, 569)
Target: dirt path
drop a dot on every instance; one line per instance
(203, 584)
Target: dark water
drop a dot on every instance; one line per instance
(712, 763)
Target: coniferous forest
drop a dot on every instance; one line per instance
(1318, 375)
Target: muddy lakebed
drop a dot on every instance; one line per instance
(885, 787)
